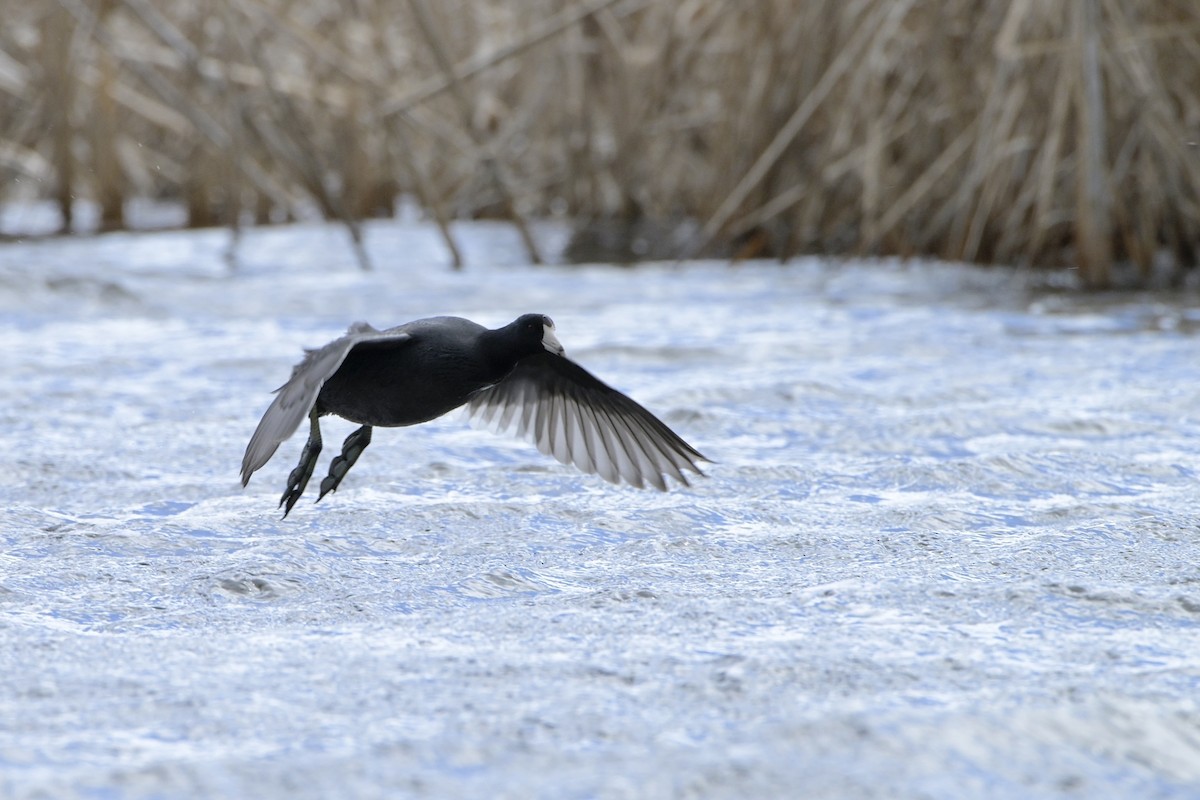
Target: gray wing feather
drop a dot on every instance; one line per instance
(294, 400)
(574, 417)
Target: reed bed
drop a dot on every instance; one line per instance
(1044, 134)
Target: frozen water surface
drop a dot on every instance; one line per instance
(951, 546)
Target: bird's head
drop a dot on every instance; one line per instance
(537, 330)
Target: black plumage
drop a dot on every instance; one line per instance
(515, 378)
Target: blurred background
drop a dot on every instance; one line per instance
(1027, 133)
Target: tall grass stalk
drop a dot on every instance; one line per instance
(1047, 134)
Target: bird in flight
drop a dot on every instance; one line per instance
(516, 378)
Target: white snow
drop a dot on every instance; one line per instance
(950, 546)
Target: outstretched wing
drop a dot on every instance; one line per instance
(295, 398)
(575, 417)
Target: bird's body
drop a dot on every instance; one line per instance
(430, 373)
(514, 377)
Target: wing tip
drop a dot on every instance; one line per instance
(248, 469)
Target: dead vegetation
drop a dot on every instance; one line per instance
(1048, 134)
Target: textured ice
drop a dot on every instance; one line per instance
(951, 546)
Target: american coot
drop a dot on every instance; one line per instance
(512, 378)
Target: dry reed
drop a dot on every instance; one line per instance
(1048, 134)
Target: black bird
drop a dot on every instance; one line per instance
(512, 378)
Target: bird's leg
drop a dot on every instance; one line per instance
(351, 449)
(303, 471)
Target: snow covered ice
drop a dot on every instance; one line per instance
(950, 546)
